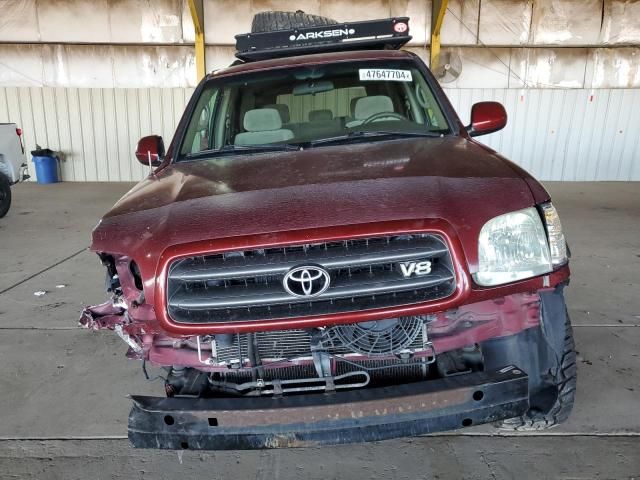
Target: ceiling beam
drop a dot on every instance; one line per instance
(439, 7)
(197, 16)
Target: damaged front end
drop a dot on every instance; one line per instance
(126, 312)
(112, 315)
(322, 385)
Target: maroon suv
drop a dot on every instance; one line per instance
(325, 255)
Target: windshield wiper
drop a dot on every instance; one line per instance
(259, 147)
(268, 147)
(373, 134)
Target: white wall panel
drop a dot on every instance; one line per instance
(95, 21)
(566, 22)
(564, 134)
(460, 25)
(126, 66)
(103, 66)
(484, 67)
(94, 129)
(614, 67)
(620, 22)
(505, 22)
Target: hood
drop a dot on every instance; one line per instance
(449, 178)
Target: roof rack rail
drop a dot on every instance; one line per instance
(388, 33)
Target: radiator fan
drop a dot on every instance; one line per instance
(449, 67)
(380, 337)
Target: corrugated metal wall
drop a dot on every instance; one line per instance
(565, 134)
(555, 134)
(94, 129)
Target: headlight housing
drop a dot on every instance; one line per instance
(512, 247)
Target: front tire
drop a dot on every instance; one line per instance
(5, 195)
(562, 391)
(275, 21)
(547, 355)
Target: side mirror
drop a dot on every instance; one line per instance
(487, 117)
(150, 148)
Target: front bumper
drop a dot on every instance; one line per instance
(323, 419)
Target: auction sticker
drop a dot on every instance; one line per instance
(385, 74)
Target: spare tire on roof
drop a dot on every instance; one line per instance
(273, 21)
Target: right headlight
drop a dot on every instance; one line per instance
(512, 247)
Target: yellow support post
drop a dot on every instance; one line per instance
(437, 17)
(197, 16)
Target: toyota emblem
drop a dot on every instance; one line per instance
(306, 281)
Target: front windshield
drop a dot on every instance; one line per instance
(313, 105)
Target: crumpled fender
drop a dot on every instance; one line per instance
(105, 315)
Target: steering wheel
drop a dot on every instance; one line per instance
(379, 115)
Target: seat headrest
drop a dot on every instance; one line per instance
(283, 110)
(262, 120)
(368, 106)
(352, 105)
(320, 115)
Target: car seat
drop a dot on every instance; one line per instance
(366, 107)
(262, 125)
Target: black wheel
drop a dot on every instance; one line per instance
(547, 354)
(553, 403)
(273, 21)
(5, 195)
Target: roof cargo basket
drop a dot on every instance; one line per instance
(388, 33)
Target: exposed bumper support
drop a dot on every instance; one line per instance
(344, 417)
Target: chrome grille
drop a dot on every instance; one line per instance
(365, 274)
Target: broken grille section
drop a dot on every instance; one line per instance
(365, 274)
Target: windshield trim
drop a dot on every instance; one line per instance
(449, 114)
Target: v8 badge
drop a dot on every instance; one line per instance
(418, 269)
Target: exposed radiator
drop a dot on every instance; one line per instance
(381, 338)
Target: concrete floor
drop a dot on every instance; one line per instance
(63, 390)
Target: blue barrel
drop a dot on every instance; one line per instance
(46, 169)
